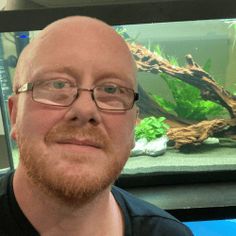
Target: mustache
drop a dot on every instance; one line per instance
(69, 132)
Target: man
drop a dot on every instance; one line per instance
(73, 118)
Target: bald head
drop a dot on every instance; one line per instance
(81, 24)
(87, 33)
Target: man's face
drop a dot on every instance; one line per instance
(74, 152)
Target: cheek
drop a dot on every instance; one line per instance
(35, 122)
(120, 129)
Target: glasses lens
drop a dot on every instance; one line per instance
(60, 92)
(112, 97)
(54, 92)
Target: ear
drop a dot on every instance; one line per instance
(12, 108)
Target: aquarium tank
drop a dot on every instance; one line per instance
(187, 86)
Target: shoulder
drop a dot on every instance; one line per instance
(3, 184)
(4, 192)
(148, 219)
(5, 219)
(139, 207)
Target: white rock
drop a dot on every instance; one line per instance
(211, 140)
(156, 147)
(139, 147)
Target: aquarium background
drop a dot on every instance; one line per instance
(212, 45)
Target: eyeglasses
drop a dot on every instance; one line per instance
(62, 93)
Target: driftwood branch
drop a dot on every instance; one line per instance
(197, 133)
(194, 75)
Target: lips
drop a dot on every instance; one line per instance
(80, 142)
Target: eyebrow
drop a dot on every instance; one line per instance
(42, 70)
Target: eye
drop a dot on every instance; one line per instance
(110, 89)
(58, 84)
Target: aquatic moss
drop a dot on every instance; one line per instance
(151, 128)
(187, 102)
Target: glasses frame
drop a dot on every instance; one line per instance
(30, 87)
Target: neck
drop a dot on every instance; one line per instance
(101, 216)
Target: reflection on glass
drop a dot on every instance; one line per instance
(186, 83)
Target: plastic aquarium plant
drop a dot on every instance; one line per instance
(187, 103)
(151, 128)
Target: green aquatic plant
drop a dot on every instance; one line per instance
(151, 128)
(187, 102)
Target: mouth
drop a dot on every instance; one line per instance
(80, 143)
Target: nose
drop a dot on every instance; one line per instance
(84, 109)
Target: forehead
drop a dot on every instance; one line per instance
(82, 32)
(78, 41)
(74, 45)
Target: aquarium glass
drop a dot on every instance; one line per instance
(186, 81)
